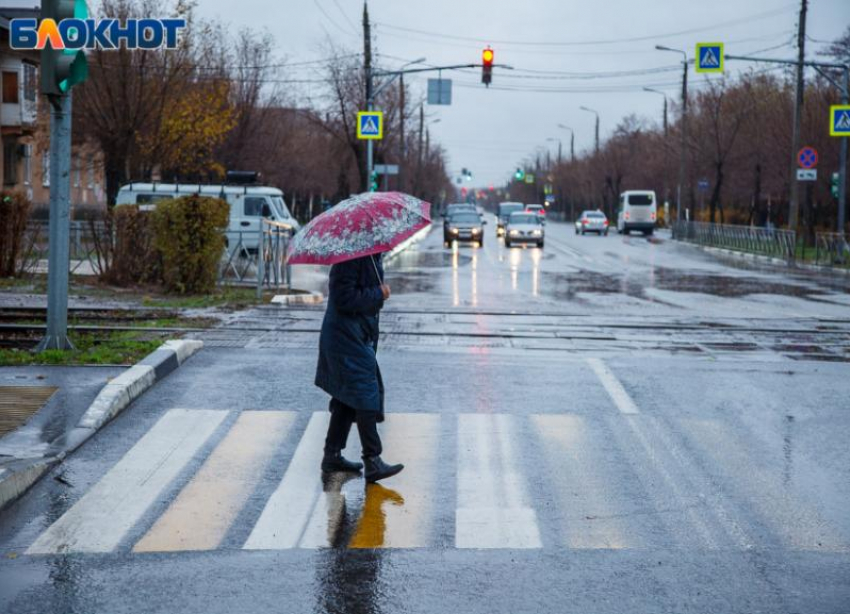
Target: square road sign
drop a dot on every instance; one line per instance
(839, 120)
(370, 125)
(709, 57)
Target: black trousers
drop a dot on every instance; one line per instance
(342, 417)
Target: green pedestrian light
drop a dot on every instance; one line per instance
(62, 69)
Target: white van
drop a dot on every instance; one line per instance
(248, 204)
(638, 210)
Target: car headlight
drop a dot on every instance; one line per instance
(454, 231)
(514, 233)
(475, 231)
(537, 233)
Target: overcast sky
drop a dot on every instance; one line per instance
(492, 131)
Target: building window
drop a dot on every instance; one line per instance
(77, 172)
(30, 82)
(10, 87)
(45, 169)
(10, 162)
(27, 164)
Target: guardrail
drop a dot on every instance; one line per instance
(755, 240)
(832, 249)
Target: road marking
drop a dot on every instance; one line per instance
(613, 386)
(399, 513)
(579, 470)
(284, 521)
(492, 511)
(200, 516)
(98, 521)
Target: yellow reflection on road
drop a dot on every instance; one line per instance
(372, 528)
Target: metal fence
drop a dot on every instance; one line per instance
(242, 262)
(832, 249)
(756, 240)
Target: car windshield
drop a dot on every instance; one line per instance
(456, 208)
(508, 209)
(524, 219)
(595, 215)
(640, 199)
(534, 208)
(465, 217)
(280, 207)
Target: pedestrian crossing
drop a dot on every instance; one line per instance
(473, 481)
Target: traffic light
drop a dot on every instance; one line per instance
(487, 66)
(62, 69)
(519, 175)
(834, 183)
(373, 182)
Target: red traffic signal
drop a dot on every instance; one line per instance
(487, 66)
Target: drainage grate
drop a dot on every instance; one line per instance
(18, 403)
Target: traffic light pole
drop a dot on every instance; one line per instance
(56, 337)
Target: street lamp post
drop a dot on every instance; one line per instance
(552, 139)
(666, 189)
(649, 89)
(596, 113)
(682, 169)
(572, 141)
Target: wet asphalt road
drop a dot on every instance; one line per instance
(607, 425)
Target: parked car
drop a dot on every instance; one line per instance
(249, 203)
(592, 221)
(524, 227)
(464, 226)
(504, 211)
(538, 209)
(638, 210)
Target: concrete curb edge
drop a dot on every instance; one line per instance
(17, 476)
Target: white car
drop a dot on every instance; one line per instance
(249, 203)
(524, 227)
(592, 221)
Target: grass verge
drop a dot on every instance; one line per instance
(101, 348)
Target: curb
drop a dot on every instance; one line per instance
(767, 259)
(310, 298)
(18, 475)
(412, 240)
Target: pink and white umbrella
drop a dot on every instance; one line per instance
(363, 225)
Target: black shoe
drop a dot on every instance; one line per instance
(335, 461)
(376, 469)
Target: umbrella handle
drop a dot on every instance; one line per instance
(378, 275)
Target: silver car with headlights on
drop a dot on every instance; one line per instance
(464, 226)
(524, 228)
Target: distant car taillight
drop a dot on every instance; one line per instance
(653, 216)
(605, 222)
(626, 216)
(584, 222)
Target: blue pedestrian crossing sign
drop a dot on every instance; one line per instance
(370, 125)
(839, 120)
(709, 57)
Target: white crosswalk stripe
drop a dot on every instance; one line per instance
(493, 510)
(98, 521)
(589, 494)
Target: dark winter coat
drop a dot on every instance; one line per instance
(348, 368)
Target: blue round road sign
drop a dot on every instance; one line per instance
(807, 157)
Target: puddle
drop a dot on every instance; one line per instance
(567, 285)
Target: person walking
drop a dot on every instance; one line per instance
(348, 367)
